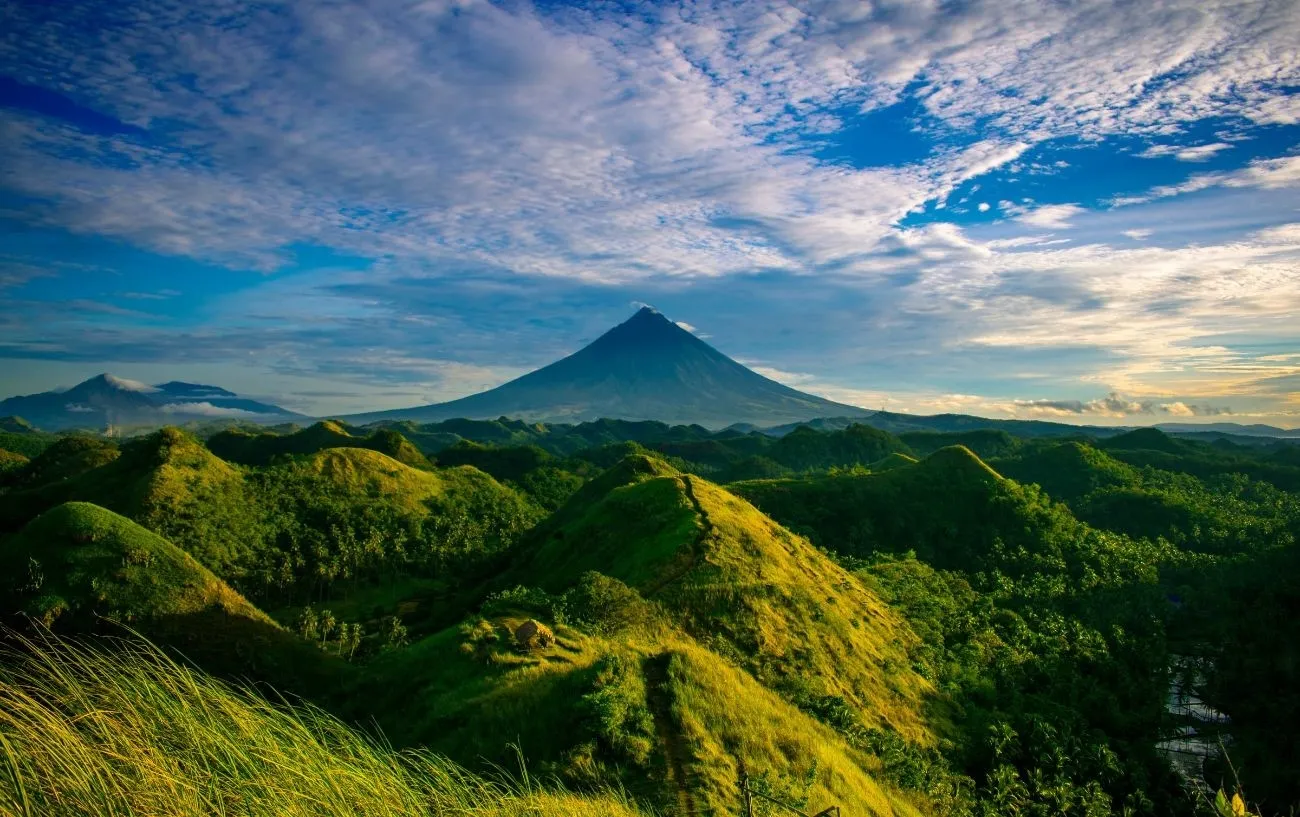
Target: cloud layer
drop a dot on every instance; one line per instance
(644, 151)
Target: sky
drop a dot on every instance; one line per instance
(1078, 211)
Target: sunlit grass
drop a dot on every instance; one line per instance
(85, 730)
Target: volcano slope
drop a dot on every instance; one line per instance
(691, 635)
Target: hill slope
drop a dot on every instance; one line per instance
(738, 581)
(646, 368)
(167, 482)
(237, 445)
(78, 567)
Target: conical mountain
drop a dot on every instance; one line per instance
(646, 368)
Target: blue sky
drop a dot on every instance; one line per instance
(1081, 211)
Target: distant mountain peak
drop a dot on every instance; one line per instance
(645, 368)
(107, 399)
(112, 381)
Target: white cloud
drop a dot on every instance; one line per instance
(1051, 216)
(1194, 153)
(983, 207)
(1138, 234)
(586, 143)
(205, 409)
(1263, 174)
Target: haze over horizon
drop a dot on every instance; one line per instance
(1086, 214)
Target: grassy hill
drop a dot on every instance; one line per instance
(1070, 470)
(10, 465)
(245, 448)
(83, 561)
(898, 510)
(646, 709)
(81, 568)
(728, 633)
(68, 457)
(169, 483)
(131, 732)
(741, 583)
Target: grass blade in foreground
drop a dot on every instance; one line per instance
(88, 731)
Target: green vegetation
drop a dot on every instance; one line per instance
(68, 457)
(245, 448)
(86, 731)
(956, 622)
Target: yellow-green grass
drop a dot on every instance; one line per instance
(237, 445)
(68, 457)
(360, 473)
(892, 461)
(166, 481)
(128, 731)
(11, 462)
(741, 584)
(86, 560)
(724, 716)
(649, 710)
(80, 567)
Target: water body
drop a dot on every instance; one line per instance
(1199, 730)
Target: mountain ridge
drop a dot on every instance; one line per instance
(107, 399)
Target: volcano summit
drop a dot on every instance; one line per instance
(646, 368)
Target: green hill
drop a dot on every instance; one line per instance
(951, 508)
(727, 632)
(805, 448)
(11, 464)
(1070, 470)
(17, 425)
(78, 566)
(1145, 439)
(245, 448)
(889, 463)
(97, 563)
(985, 442)
(27, 443)
(169, 483)
(738, 582)
(68, 457)
(502, 462)
(645, 709)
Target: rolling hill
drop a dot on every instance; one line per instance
(240, 446)
(80, 568)
(699, 635)
(647, 368)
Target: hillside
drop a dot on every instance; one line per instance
(131, 732)
(245, 448)
(644, 708)
(736, 580)
(167, 482)
(1070, 470)
(647, 368)
(950, 508)
(81, 568)
(68, 457)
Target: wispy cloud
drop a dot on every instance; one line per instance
(1186, 153)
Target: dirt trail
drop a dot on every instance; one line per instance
(677, 756)
(693, 551)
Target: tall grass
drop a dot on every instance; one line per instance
(128, 731)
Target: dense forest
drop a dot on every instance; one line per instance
(904, 621)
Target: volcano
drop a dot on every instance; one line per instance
(646, 368)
